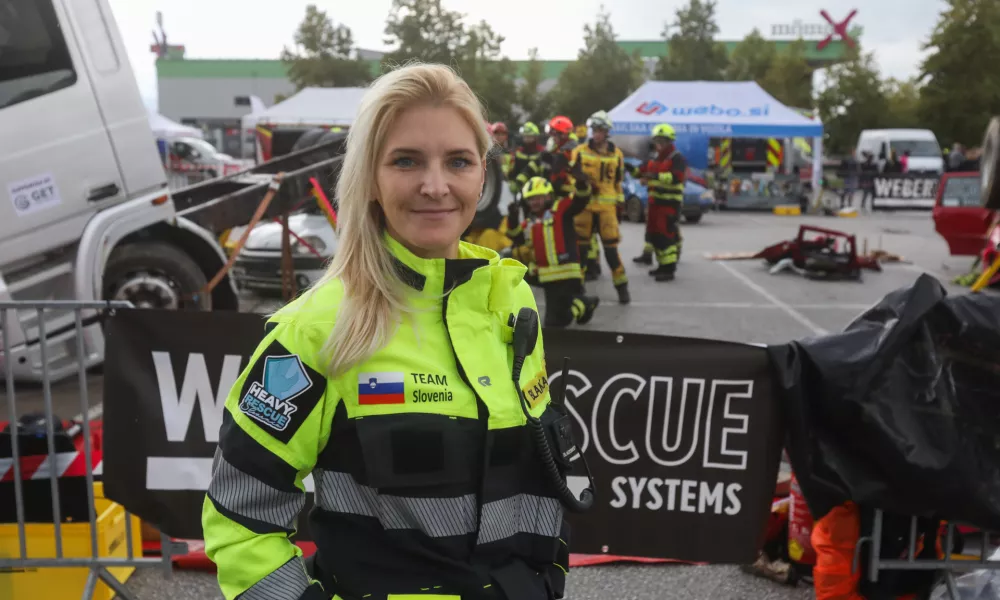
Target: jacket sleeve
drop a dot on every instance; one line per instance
(275, 421)
(620, 175)
(581, 198)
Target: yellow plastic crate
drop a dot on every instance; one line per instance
(68, 582)
(788, 210)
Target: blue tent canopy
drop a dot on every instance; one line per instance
(712, 108)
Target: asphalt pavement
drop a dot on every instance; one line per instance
(731, 300)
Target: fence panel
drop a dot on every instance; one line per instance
(65, 464)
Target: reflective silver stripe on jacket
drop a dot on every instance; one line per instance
(439, 517)
(436, 517)
(522, 513)
(288, 582)
(249, 497)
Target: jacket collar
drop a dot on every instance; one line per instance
(497, 277)
(610, 149)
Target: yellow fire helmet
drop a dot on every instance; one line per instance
(536, 186)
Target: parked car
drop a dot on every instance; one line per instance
(258, 267)
(960, 218)
(698, 199)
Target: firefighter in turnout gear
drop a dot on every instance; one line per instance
(554, 162)
(548, 228)
(500, 136)
(604, 164)
(664, 176)
(527, 157)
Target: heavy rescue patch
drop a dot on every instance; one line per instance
(280, 391)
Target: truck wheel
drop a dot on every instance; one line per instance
(633, 210)
(989, 164)
(155, 275)
(692, 218)
(308, 139)
(487, 211)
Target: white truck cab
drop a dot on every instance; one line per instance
(84, 213)
(922, 144)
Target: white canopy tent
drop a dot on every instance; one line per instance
(165, 128)
(726, 109)
(327, 107)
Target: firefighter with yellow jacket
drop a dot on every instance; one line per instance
(604, 164)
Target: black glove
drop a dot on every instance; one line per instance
(513, 210)
(577, 172)
(559, 162)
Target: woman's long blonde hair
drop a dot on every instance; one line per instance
(374, 295)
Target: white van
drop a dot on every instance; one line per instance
(925, 152)
(84, 209)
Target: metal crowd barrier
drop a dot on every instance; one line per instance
(96, 564)
(948, 565)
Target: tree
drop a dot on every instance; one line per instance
(903, 98)
(324, 55)
(692, 53)
(422, 30)
(751, 59)
(602, 75)
(962, 85)
(490, 75)
(853, 99)
(532, 102)
(426, 31)
(789, 78)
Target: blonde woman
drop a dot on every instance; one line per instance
(387, 389)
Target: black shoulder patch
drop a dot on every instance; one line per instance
(280, 391)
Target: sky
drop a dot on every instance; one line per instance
(894, 29)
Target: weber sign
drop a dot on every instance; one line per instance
(681, 435)
(904, 191)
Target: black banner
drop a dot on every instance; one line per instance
(904, 190)
(682, 435)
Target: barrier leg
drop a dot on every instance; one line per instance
(113, 583)
(91, 586)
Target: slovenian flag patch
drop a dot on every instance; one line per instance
(381, 388)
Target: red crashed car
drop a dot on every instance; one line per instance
(959, 217)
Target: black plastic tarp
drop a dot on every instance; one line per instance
(901, 411)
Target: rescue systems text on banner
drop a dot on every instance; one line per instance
(682, 435)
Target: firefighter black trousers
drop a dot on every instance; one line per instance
(559, 299)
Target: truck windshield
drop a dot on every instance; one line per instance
(34, 60)
(917, 148)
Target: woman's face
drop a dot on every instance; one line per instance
(429, 180)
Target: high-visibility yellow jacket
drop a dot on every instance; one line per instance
(606, 171)
(426, 485)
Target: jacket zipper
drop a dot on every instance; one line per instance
(484, 414)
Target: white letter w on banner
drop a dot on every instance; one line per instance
(195, 385)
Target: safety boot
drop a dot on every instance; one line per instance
(593, 270)
(646, 258)
(590, 303)
(623, 296)
(662, 273)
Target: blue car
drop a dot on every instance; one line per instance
(697, 198)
